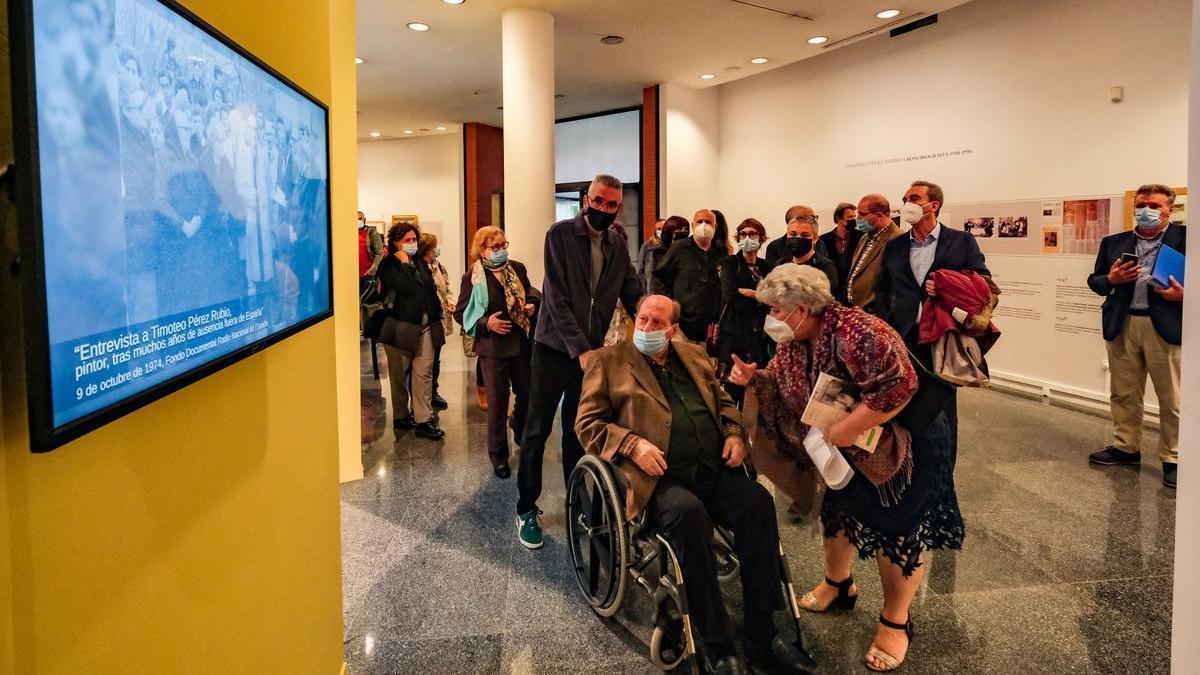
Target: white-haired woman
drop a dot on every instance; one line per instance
(900, 501)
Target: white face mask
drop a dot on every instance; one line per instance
(703, 231)
(911, 214)
(362, 222)
(778, 329)
(749, 245)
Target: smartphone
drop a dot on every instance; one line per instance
(1129, 258)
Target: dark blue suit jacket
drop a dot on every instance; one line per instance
(898, 296)
(1166, 316)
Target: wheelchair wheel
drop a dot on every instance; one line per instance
(727, 564)
(599, 538)
(667, 649)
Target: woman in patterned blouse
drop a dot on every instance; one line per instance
(901, 500)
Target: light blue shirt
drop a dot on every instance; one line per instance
(1147, 252)
(921, 254)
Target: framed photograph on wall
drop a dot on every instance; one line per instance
(412, 219)
(379, 225)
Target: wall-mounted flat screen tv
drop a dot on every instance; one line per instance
(173, 195)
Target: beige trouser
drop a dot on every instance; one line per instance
(1139, 350)
(398, 362)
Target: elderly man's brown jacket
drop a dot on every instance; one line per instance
(866, 266)
(621, 402)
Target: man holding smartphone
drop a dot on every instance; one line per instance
(1143, 330)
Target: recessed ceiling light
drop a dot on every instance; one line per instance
(612, 39)
(454, 2)
(817, 39)
(758, 61)
(359, 60)
(708, 76)
(418, 26)
(439, 127)
(888, 14)
(408, 131)
(375, 134)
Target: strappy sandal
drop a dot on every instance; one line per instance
(890, 663)
(843, 600)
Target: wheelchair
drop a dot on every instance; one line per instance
(609, 553)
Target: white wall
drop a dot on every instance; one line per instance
(417, 175)
(689, 134)
(1185, 648)
(1023, 84)
(606, 144)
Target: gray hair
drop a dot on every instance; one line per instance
(790, 285)
(607, 180)
(1157, 189)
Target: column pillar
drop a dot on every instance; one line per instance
(1185, 650)
(528, 57)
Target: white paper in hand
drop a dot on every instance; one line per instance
(829, 460)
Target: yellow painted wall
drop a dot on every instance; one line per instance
(200, 533)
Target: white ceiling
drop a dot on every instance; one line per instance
(451, 73)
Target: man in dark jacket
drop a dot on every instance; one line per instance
(587, 271)
(777, 249)
(840, 243)
(690, 274)
(908, 259)
(1143, 330)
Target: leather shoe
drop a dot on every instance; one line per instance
(430, 430)
(730, 665)
(405, 423)
(1110, 456)
(502, 471)
(782, 657)
(1170, 473)
(438, 403)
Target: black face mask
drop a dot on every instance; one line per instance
(599, 220)
(799, 246)
(668, 236)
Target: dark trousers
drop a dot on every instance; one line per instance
(924, 354)
(499, 375)
(554, 377)
(685, 515)
(437, 369)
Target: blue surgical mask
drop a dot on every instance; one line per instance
(862, 225)
(650, 342)
(410, 249)
(1146, 218)
(498, 257)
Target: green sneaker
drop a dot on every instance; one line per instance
(529, 529)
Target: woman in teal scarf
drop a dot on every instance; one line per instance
(497, 307)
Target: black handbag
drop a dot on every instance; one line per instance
(374, 314)
(402, 335)
(932, 397)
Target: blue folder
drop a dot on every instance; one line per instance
(1168, 264)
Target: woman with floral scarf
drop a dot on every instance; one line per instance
(497, 307)
(900, 501)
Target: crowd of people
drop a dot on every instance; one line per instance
(718, 314)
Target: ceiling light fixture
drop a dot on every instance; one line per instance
(440, 128)
(408, 131)
(375, 134)
(612, 39)
(817, 39)
(708, 76)
(418, 26)
(454, 2)
(358, 60)
(758, 61)
(888, 14)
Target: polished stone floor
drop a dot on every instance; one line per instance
(1066, 568)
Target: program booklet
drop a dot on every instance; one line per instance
(831, 401)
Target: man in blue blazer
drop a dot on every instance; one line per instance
(1143, 330)
(908, 260)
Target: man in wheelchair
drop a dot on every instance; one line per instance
(655, 409)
